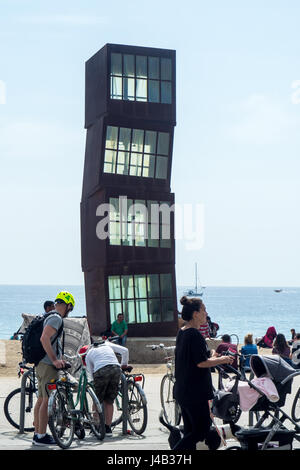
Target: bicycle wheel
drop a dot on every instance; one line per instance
(169, 405)
(61, 422)
(93, 413)
(12, 408)
(296, 407)
(137, 409)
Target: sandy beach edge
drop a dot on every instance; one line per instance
(11, 355)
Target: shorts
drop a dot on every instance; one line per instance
(106, 383)
(45, 373)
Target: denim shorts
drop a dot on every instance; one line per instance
(106, 382)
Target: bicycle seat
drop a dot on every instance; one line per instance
(127, 369)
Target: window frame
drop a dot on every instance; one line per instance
(142, 156)
(132, 225)
(162, 299)
(119, 78)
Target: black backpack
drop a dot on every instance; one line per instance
(32, 348)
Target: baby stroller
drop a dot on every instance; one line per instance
(269, 431)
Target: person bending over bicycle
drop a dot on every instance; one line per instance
(102, 363)
(47, 368)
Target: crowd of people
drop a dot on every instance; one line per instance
(99, 357)
(194, 363)
(289, 350)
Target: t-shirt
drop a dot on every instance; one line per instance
(204, 330)
(104, 355)
(192, 383)
(119, 328)
(223, 347)
(249, 349)
(54, 320)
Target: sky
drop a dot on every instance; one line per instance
(236, 145)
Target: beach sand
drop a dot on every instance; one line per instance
(13, 356)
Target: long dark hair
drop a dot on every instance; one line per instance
(280, 343)
(189, 306)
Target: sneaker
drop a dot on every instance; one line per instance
(108, 431)
(47, 440)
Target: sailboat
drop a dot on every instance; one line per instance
(195, 293)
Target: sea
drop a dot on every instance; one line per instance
(237, 310)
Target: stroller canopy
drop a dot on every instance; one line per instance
(272, 366)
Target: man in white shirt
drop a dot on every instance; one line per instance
(102, 363)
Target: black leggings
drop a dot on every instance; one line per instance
(197, 422)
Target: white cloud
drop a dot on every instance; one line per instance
(32, 140)
(72, 20)
(2, 92)
(33, 153)
(262, 120)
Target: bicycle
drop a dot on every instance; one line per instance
(13, 406)
(171, 409)
(69, 416)
(135, 403)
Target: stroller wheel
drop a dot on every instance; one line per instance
(296, 407)
(237, 415)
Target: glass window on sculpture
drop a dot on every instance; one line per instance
(136, 152)
(141, 298)
(135, 222)
(140, 78)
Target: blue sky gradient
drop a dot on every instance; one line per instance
(237, 139)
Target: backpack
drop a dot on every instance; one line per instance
(32, 348)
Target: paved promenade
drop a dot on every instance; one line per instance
(155, 437)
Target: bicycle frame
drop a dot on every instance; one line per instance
(82, 385)
(77, 404)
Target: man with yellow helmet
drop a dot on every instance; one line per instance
(47, 368)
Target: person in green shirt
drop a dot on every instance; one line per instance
(120, 328)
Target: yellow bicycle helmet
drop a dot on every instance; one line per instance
(66, 297)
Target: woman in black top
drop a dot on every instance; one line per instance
(193, 386)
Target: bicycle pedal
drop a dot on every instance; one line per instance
(80, 433)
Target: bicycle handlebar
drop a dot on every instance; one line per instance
(160, 346)
(66, 366)
(24, 366)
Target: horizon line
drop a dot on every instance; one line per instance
(181, 286)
